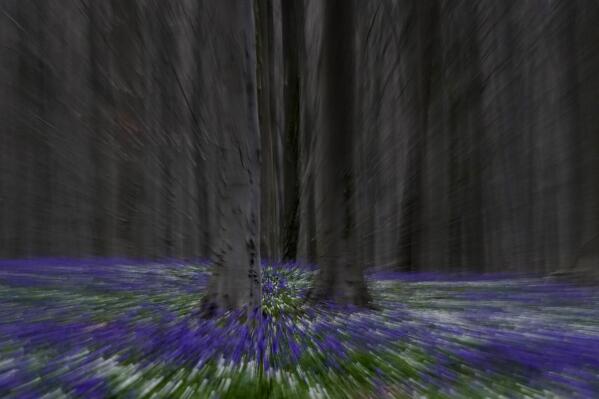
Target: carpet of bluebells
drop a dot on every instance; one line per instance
(120, 329)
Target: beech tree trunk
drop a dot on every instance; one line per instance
(340, 278)
(236, 277)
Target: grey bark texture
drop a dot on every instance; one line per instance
(270, 92)
(236, 277)
(340, 278)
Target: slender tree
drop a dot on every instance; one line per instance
(267, 64)
(292, 27)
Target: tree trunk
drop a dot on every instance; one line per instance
(292, 20)
(268, 80)
(340, 278)
(236, 276)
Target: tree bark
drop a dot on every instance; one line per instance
(236, 275)
(292, 20)
(340, 278)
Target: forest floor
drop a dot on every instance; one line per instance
(117, 329)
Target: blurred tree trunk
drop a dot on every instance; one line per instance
(129, 92)
(269, 60)
(340, 278)
(292, 21)
(236, 277)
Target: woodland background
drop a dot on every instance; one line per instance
(466, 132)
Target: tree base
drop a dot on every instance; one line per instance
(342, 293)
